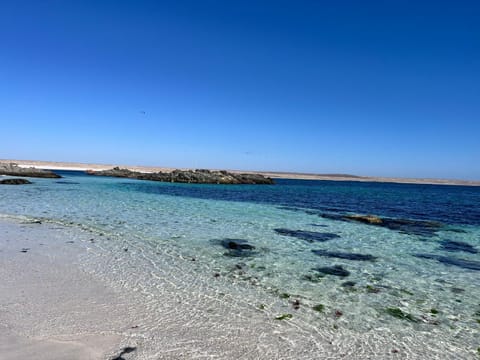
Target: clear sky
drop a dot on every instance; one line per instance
(362, 87)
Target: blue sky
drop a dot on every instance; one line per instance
(386, 88)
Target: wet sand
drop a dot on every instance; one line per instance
(52, 165)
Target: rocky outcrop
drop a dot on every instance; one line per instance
(368, 219)
(13, 169)
(187, 176)
(406, 226)
(14, 182)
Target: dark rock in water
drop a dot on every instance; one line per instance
(454, 230)
(240, 266)
(199, 176)
(347, 256)
(464, 264)
(309, 236)
(457, 290)
(396, 312)
(237, 247)
(313, 278)
(408, 226)
(334, 217)
(67, 182)
(414, 227)
(291, 208)
(348, 284)
(450, 245)
(367, 219)
(237, 244)
(372, 289)
(125, 350)
(14, 182)
(13, 169)
(296, 304)
(336, 270)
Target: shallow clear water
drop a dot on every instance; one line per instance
(427, 268)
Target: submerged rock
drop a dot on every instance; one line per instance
(237, 244)
(347, 256)
(309, 236)
(316, 278)
(199, 176)
(14, 182)
(237, 247)
(450, 245)
(398, 313)
(125, 350)
(464, 264)
(336, 270)
(408, 226)
(13, 169)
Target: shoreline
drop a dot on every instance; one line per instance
(54, 165)
(64, 296)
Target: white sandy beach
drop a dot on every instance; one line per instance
(49, 308)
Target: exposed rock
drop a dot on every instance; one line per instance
(13, 169)
(369, 219)
(199, 176)
(14, 182)
(408, 226)
(309, 236)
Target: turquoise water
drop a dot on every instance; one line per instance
(292, 242)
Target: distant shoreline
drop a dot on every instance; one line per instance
(55, 165)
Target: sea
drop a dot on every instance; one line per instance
(296, 250)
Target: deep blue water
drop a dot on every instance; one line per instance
(448, 204)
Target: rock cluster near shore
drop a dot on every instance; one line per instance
(14, 182)
(187, 176)
(13, 169)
